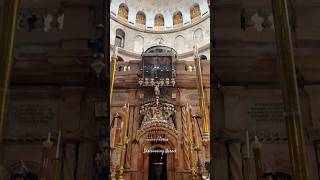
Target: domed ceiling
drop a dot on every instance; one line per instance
(153, 8)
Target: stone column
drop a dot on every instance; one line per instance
(235, 159)
(69, 161)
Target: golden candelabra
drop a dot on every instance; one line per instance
(250, 168)
(248, 160)
(7, 41)
(45, 158)
(256, 147)
(56, 169)
(197, 147)
(113, 69)
(112, 143)
(124, 142)
(56, 161)
(202, 104)
(290, 90)
(191, 141)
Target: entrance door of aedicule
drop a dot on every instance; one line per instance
(158, 165)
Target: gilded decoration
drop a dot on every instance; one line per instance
(158, 114)
(177, 18)
(123, 11)
(195, 11)
(159, 20)
(141, 18)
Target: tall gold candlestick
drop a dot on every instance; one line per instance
(257, 157)
(206, 135)
(249, 160)
(113, 134)
(197, 147)
(250, 168)
(7, 41)
(113, 69)
(124, 142)
(192, 142)
(56, 169)
(290, 90)
(45, 158)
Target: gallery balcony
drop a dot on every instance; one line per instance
(127, 74)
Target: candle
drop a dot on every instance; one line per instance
(256, 140)
(58, 145)
(49, 137)
(248, 144)
(121, 125)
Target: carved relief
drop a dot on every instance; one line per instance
(141, 18)
(259, 19)
(123, 11)
(159, 20)
(195, 11)
(177, 18)
(40, 20)
(158, 114)
(159, 41)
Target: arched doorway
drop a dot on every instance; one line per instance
(157, 165)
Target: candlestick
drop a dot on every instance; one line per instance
(202, 104)
(256, 140)
(195, 51)
(248, 144)
(257, 157)
(250, 168)
(124, 142)
(47, 144)
(58, 145)
(49, 137)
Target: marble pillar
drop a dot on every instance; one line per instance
(235, 160)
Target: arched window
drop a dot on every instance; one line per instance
(123, 11)
(177, 18)
(195, 11)
(120, 37)
(159, 20)
(141, 18)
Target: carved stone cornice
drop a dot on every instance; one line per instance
(184, 55)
